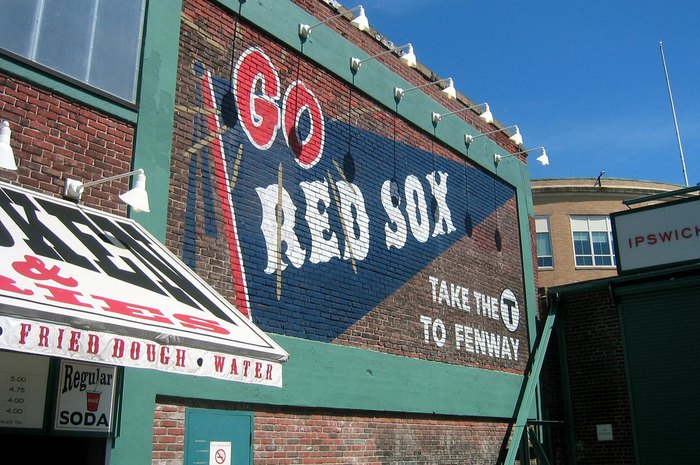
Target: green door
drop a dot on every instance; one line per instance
(218, 437)
(660, 326)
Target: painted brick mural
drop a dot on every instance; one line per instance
(325, 216)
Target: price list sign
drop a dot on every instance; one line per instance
(23, 384)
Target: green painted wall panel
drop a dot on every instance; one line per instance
(333, 376)
(325, 376)
(317, 373)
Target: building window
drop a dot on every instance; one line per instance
(544, 242)
(593, 241)
(96, 42)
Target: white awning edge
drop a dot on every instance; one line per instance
(50, 339)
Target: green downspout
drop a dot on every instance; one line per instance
(566, 391)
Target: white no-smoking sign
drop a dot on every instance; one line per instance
(220, 453)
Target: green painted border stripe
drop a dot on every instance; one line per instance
(154, 132)
(336, 376)
(59, 86)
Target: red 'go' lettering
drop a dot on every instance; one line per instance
(256, 87)
(297, 100)
(257, 90)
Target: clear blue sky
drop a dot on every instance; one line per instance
(583, 78)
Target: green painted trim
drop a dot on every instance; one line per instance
(135, 442)
(525, 212)
(323, 375)
(154, 131)
(331, 51)
(74, 92)
(531, 382)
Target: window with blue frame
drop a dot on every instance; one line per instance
(545, 258)
(95, 42)
(593, 241)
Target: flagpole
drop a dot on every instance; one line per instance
(673, 110)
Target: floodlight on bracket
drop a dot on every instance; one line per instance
(449, 91)
(360, 22)
(7, 155)
(485, 116)
(516, 137)
(136, 197)
(408, 58)
(543, 159)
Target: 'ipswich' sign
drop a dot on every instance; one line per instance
(665, 234)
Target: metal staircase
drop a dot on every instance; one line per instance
(527, 394)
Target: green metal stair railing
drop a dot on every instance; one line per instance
(530, 381)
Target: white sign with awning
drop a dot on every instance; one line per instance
(82, 284)
(659, 235)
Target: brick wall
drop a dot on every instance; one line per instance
(302, 437)
(375, 302)
(597, 378)
(559, 213)
(55, 138)
(168, 434)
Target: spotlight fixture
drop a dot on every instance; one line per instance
(449, 91)
(485, 116)
(516, 137)
(7, 155)
(543, 159)
(408, 57)
(137, 197)
(360, 21)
